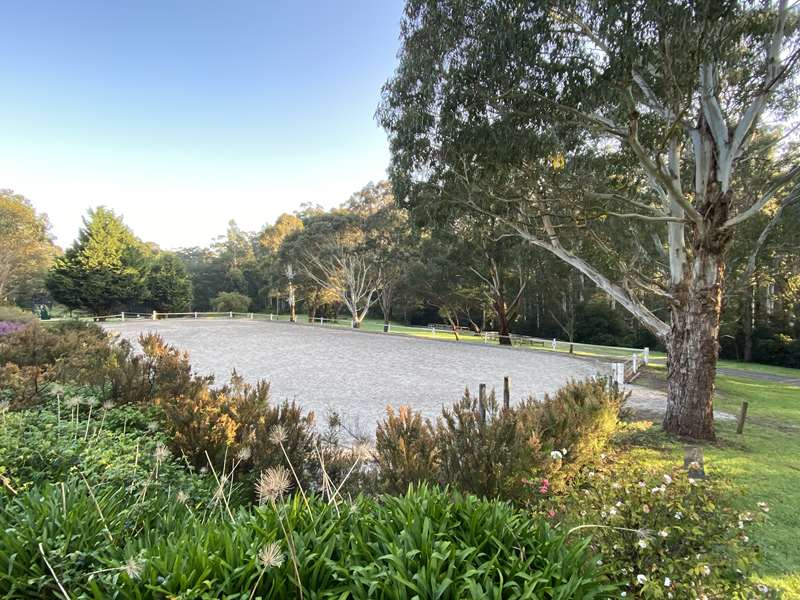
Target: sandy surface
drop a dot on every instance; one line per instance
(358, 373)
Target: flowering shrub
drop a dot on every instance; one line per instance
(660, 535)
(7, 327)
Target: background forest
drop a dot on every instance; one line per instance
(464, 272)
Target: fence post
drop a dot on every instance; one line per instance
(122, 314)
(506, 392)
(618, 373)
(555, 344)
(433, 330)
(195, 314)
(230, 314)
(742, 417)
(154, 316)
(646, 356)
(482, 401)
(251, 316)
(270, 316)
(635, 362)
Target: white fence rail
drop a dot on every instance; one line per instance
(624, 369)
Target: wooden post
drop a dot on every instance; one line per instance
(482, 401)
(506, 392)
(742, 417)
(123, 315)
(154, 315)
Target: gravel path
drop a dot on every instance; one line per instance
(358, 373)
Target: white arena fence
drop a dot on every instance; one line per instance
(625, 366)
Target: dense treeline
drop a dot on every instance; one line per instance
(465, 274)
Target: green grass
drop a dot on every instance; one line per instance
(759, 368)
(762, 463)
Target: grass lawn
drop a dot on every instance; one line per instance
(764, 463)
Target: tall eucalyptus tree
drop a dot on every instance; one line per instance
(620, 125)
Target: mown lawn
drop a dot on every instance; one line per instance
(763, 463)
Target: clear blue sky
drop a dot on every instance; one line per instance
(183, 114)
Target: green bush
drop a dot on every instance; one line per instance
(405, 450)
(230, 301)
(661, 535)
(501, 453)
(237, 422)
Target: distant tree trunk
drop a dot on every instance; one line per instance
(748, 324)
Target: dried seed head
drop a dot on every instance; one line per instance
(72, 401)
(277, 435)
(272, 484)
(362, 452)
(244, 454)
(161, 453)
(270, 556)
(4, 405)
(108, 405)
(182, 497)
(134, 567)
(152, 426)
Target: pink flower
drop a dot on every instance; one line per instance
(543, 489)
(551, 513)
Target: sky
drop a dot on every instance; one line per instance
(183, 114)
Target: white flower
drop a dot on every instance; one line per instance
(623, 594)
(763, 506)
(667, 582)
(616, 485)
(762, 588)
(745, 539)
(692, 481)
(603, 514)
(642, 484)
(564, 451)
(667, 479)
(556, 455)
(641, 579)
(663, 533)
(612, 511)
(741, 525)
(694, 465)
(618, 504)
(583, 513)
(679, 515)
(599, 563)
(591, 473)
(706, 570)
(642, 543)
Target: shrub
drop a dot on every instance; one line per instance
(501, 453)
(230, 301)
(475, 446)
(405, 450)
(158, 371)
(661, 535)
(238, 422)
